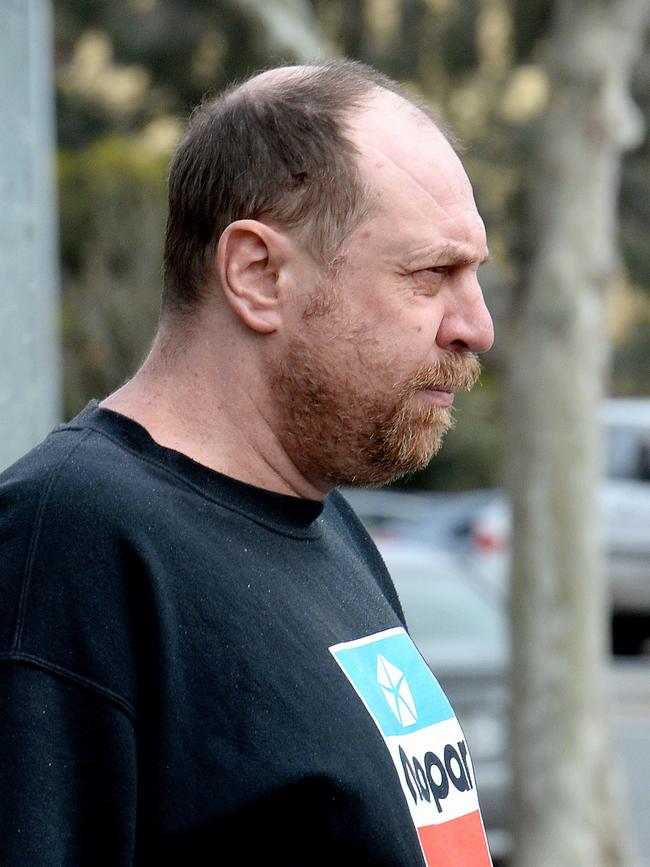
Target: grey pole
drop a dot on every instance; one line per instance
(30, 366)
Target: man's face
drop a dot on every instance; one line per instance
(350, 420)
(366, 383)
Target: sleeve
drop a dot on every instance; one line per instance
(67, 772)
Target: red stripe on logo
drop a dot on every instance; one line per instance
(456, 843)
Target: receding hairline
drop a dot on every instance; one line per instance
(268, 80)
(276, 75)
(313, 182)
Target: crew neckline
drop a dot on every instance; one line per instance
(283, 512)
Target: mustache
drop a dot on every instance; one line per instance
(454, 372)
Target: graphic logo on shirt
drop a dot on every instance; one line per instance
(425, 742)
(396, 691)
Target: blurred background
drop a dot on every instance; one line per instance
(128, 73)
(124, 76)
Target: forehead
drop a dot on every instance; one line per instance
(414, 176)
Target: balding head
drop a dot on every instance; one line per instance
(276, 147)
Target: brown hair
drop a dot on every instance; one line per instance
(275, 148)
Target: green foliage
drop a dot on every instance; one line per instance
(533, 19)
(458, 43)
(631, 365)
(635, 218)
(112, 205)
(185, 47)
(104, 186)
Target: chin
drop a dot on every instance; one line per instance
(399, 459)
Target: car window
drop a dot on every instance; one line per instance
(447, 608)
(628, 453)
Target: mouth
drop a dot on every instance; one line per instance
(442, 397)
(438, 383)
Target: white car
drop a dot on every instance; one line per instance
(625, 509)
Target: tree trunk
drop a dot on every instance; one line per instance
(566, 808)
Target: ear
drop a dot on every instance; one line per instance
(249, 258)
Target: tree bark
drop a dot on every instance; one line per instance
(566, 806)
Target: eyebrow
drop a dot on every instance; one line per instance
(459, 254)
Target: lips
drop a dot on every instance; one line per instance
(454, 372)
(439, 396)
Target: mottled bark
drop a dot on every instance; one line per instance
(567, 811)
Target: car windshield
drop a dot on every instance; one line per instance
(447, 607)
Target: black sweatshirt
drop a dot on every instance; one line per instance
(197, 671)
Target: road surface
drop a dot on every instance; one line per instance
(630, 686)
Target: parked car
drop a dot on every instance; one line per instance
(458, 622)
(625, 510)
(437, 518)
(627, 430)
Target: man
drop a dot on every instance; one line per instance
(203, 657)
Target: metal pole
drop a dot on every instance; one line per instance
(30, 365)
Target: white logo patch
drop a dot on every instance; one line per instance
(396, 691)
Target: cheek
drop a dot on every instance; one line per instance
(423, 336)
(389, 344)
(416, 341)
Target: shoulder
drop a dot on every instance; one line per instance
(68, 514)
(31, 485)
(75, 478)
(361, 538)
(338, 504)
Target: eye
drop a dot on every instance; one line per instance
(437, 271)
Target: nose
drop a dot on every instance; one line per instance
(467, 324)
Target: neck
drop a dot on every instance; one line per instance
(214, 406)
